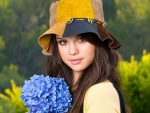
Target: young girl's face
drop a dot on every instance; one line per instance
(76, 52)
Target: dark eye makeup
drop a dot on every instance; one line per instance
(63, 41)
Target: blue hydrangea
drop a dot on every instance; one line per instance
(46, 95)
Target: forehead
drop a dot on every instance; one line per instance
(59, 37)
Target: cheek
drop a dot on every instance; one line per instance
(62, 52)
(91, 55)
(88, 50)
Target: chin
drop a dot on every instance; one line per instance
(78, 69)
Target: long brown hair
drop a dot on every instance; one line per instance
(103, 67)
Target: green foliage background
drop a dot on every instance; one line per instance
(22, 22)
(11, 102)
(136, 82)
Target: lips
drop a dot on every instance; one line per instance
(75, 61)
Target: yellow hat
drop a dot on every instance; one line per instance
(72, 17)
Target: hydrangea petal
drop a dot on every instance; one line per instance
(46, 94)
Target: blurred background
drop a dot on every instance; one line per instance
(23, 21)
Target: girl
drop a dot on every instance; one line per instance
(81, 50)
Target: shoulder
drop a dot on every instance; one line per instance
(105, 87)
(102, 97)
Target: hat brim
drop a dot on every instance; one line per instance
(106, 36)
(79, 26)
(66, 29)
(44, 39)
(75, 27)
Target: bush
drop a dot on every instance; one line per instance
(7, 73)
(6, 106)
(135, 78)
(12, 100)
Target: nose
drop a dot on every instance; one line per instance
(73, 49)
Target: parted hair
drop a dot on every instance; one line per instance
(104, 66)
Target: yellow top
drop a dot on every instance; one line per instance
(102, 98)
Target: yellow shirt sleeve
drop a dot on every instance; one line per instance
(102, 98)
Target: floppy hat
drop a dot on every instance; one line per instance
(72, 17)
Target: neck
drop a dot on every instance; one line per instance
(76, 76)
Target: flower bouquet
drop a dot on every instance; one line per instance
(46, 95)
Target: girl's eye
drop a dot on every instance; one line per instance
(62, 42)
(81, 39)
